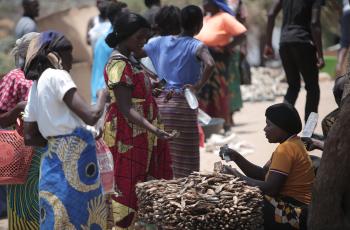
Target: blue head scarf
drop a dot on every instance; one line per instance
(223, 6)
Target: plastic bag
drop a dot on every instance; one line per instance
(15, 158)
(106, 166)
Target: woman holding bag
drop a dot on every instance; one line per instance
(70, 193)
(22, 199)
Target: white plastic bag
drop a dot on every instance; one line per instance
(106, 166)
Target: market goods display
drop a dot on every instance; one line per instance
(200, 201)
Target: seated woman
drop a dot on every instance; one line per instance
(287, 179)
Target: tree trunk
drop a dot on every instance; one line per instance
(330, 207)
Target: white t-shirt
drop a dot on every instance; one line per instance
(46, 106)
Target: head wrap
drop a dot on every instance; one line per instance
(125, 26)
(285, 116)
(45, 49)
(222, 5)
(21, 47)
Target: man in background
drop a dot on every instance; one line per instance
(153, 8)
(344, 38)
(300, 47)
(27, 23)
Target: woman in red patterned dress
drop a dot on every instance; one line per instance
(132, 130)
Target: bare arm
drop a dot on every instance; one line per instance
(209, 65)
(248, 168)
(9, 118)
(317, 34)
(271, 17)
(89, 114)
(32, 135)
(272, 186)
(125, 106)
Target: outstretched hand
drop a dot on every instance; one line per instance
(312, 144)
(161, 134)
(232, 171)
(230, 153)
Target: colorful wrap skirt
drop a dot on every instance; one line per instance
(214, 97)
(282, 213)
(70, 192)
(234, 83)
(177, 115)
(23, 199)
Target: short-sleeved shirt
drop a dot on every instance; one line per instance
(14, 88)
(297, 15)
(219, 29)
(24, 26)
(175, 59)
(46, 106)
(292, 160)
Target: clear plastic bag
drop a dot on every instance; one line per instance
(106, 166)
(191, 99)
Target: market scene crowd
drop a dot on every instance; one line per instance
(70, 163)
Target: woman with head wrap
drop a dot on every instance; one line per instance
(132, 129)
(287, 178)
(22, 200)
(221, 32)
(70, 193)
(14, 88)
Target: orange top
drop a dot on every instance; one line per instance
(219, 29)
(291, 159)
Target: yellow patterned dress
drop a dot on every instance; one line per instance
(137, 153)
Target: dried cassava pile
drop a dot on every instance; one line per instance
(200, 201)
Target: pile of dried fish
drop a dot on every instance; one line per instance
(200, 201)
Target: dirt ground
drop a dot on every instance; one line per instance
(250, 123)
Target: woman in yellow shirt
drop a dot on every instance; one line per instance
(287, 179)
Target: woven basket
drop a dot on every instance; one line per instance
(15, 158)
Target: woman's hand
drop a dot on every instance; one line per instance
(312, 144)
(193, 88)
(167, 136)
(103, 94)
(21, 105)
(232, 171)
(225, 151)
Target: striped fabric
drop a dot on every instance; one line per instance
(177, 115)
(23, 199)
